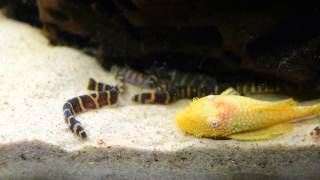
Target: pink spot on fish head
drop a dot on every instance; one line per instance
(224, 110)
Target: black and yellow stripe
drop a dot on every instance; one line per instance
(134, 77)
(173, 78)
(172, 94)
(82, 103)
(261, 87)
(93, 85)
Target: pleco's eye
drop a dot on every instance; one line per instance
(214, 123)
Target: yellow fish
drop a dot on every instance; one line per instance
(241, 118)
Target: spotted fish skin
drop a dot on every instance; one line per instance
(83, 103)
(167, 95)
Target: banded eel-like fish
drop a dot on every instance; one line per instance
(76, 105)
(99, 86)
(93, 85)
(168, 78)
(134, 77)
(172, 94)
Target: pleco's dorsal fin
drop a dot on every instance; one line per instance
(263, 134)
(289, 101)
(230, 91)
(276, 106)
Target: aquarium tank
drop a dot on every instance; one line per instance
(159, 89)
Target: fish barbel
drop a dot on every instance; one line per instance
(240, 117)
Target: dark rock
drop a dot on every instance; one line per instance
(3, 3)
(271, 39)
(22, 10)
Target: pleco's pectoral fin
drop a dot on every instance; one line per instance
(230, 91)
(263, 134)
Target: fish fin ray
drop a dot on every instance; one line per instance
(263, 134)
(230, 91)
(277, 106)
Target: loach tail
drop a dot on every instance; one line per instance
(82, 103)
(74, 125)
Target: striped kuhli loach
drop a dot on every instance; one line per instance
(76, 105)
(99, 86)
(167, 78)
(134, 77)
(93, 85)
(171, 94)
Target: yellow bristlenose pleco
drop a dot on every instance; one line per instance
(188, 119)
(240, 117)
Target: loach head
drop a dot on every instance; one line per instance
(202, 118)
